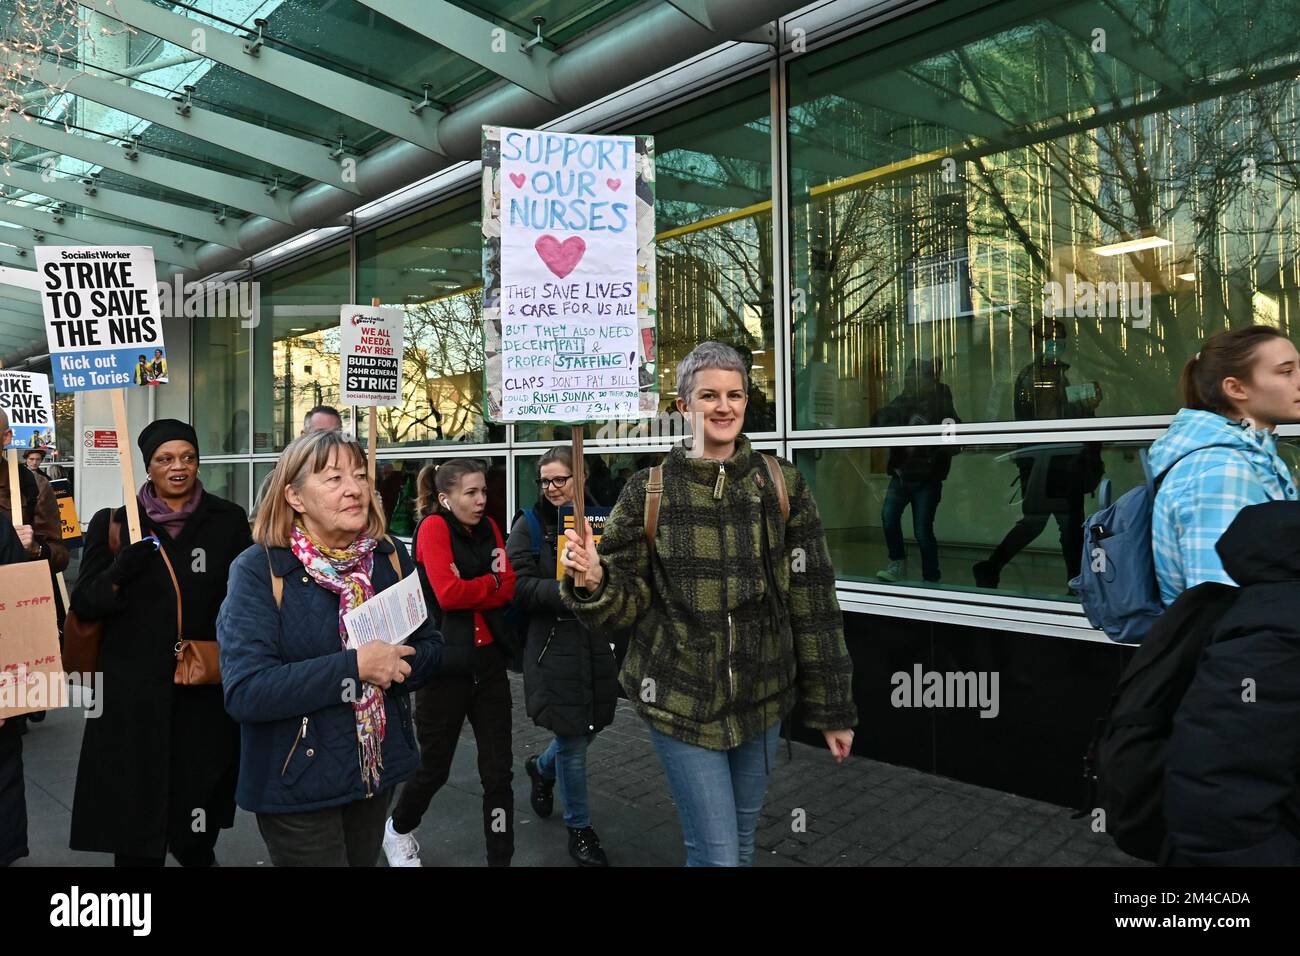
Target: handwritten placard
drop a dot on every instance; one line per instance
(31, 667)
(569, 262)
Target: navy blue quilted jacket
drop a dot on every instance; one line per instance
(285, 679)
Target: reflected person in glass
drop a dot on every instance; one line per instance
(1053, 478)
(917, 472)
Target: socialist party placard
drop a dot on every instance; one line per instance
(370, 355)
(101, 316)
(25, 398)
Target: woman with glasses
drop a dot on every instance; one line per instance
(570, 678)
(159, 765)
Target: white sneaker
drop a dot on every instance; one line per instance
(894, 571)
(400, 848)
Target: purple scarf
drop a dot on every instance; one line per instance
(162, 514)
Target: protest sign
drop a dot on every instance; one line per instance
(69, 523)
(25, 399)
(370, 355)
(568, 261)
(101, 316)
(31, 667)
(597, 517)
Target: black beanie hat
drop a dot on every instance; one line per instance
(162, 431)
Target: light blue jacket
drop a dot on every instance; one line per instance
(1215, 468)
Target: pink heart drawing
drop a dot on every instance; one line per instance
(561, 257)
(518, 180)
(614, 184)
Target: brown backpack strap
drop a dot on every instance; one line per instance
(277, 582)
(778, 479)
(654, 492)
(180, 633)
(393, 559)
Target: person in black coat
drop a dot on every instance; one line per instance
(158, 766)
(13, 797)
(570, 676)
(1232, 788)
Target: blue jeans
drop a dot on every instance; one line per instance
(923, 496)
(719, 794)
(565, 761)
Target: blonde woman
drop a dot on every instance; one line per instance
(326, 730)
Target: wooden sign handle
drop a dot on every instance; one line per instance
(579, 499)
(372, 442)
(15, 493)
(127, 465)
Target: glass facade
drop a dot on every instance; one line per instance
(969, 252)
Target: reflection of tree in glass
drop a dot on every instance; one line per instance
(712, 278)
(1046, 150)
(442, 374)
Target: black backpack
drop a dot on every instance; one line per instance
(1125, 763)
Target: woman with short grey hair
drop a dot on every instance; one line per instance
(726, 582)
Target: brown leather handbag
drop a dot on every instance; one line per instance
(81, 638)
(197, 662)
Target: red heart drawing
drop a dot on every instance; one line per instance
(561, 257)
(517, 179)
(614, 184)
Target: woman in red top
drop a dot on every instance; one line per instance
(461, 552)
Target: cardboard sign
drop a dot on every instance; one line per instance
(596, 516)
(370, 355)
(568, 226)
(25, 398)
(101, 316)
(31, 666)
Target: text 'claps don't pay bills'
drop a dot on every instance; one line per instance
(102, 323)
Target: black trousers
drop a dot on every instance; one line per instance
(441, 708)
(347, 835)
(189, 848)
(13, 796)
(1068, 512)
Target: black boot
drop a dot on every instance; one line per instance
(584, 847)
(542, 797)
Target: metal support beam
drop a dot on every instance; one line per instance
(477, 40)
(222, 189)
(644, 44)
(141, 209)
(343, 94)
(19, 278)
(96, 232)
(18, 257)
(697, 10)
(9, 294)
(248, 139)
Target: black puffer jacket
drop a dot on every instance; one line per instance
(570, 676)
(1232, 792)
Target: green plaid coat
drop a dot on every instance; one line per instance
(724, 644)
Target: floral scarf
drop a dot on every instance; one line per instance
(346, 572)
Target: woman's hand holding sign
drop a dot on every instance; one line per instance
(578, 559)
